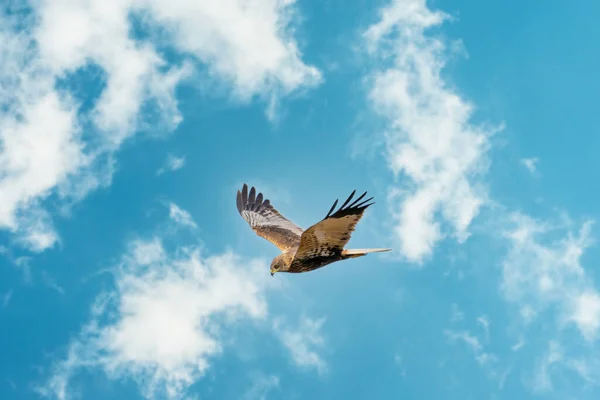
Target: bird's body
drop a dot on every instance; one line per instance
(304, 250)
(286, 262)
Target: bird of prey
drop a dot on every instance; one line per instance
(304, 250)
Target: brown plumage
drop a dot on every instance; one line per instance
(303, 251)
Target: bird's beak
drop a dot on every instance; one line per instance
(272, 273)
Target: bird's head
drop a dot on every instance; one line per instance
(277, 265)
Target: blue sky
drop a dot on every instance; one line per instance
(128, 126)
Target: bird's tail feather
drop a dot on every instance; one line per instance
(350, 253)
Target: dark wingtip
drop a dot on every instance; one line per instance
(362, 204)
(244, 195)
(348, 199)
(332, 208)
(356, 206)
(240, 206)
(250, 199)
(355, 202)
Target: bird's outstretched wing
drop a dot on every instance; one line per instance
(329, 236)
(266, 221)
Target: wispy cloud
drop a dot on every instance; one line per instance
(588, 369)
(485, 325)
(400, 363)
(466, 337)
(172, 163)
(490, 362)
(56, 142)
(542, 381)
(181, 216)
(473, 343)
(36, 231)
(24, 265)
(530, 164)
(6, 298)
(261, 387)
(519, 345)
(50, 282)
(540, 271)
(303, 342)
(431, 145)
(555, 361)
(544, 278)
(456, 313)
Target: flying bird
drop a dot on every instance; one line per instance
(304, 250)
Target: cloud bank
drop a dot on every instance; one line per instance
(59, 143)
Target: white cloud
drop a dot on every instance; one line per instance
(147, 252)
(530, 164)
(52, 144)
(181, 216)
(35, 230)
(172, 163)
(430, 140)
(39, 135)
(160, 325)
(246, 42)
(301, 342)
(586, 313)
